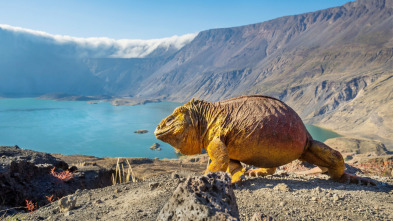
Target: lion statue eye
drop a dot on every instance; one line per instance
(170, 119)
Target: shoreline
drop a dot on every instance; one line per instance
(115, 101)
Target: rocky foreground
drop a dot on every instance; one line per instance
(283, 196)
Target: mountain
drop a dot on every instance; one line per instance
(301, 49)
(333, 66)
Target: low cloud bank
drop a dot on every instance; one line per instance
(106, 47)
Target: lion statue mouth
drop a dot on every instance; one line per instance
(161, 133)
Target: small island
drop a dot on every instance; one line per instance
(143, 131)
(130, 101)
(155, 146)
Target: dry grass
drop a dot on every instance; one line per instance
(123, 175)
(15, 217)
(80, 164)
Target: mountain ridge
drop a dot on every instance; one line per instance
(288, 32)
(320, 63)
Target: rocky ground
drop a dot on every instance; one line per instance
(283, 196)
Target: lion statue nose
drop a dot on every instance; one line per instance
(160, 126)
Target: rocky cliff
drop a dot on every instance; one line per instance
(333, 66)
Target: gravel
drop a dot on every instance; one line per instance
(280, 197)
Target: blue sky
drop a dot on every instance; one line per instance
(147, 19)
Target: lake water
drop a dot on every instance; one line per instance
(76, 127)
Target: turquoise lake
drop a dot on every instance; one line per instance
(76, 127)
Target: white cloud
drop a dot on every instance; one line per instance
(107, 47)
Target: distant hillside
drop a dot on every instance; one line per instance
(33, 63)
(334, 66)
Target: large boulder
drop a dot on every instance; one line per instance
(34, 176)
(208, 197)
(67, 203)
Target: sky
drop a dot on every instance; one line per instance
(147, 19)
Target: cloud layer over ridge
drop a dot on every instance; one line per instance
(105, 47)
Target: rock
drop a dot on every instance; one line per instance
(260, 217)
(98, 201)
(73, 169)
(68, 213)
(143, 131)
(193, 160)
(208, 197)
(155, 146)
(282, 187)
(175, 176)
(282, 173)
(23, 172)
(67, 203)
(153, 185)
(316, 190)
